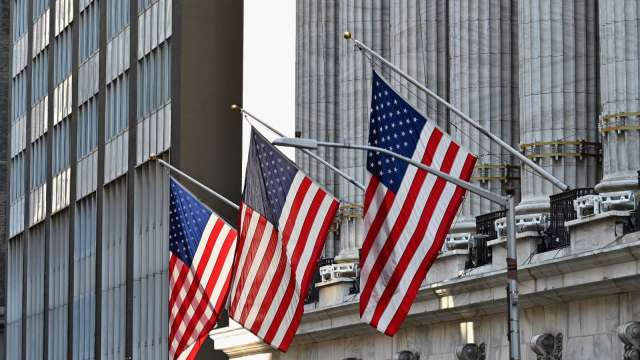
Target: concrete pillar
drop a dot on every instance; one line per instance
(483, 75)
(419, 45)
(318, 37)
(368, 21)
(558, 95)
(620, 93)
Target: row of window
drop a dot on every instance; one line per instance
(117, 17)
(154, 80)
(39, 6)
(20, 21)
(117, 107)
(89, 30)
(39, 77)
(18, 96)
(62, 52)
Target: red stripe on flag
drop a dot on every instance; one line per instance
(301, 192)
(251, 253)
(288, 337)
(309, 220)
(416, 238)
(403, 218)
(259, 277)
(378, 220)
(205, 302)
(195, 285)
(370, 191)
(432, 254)
(271, 292)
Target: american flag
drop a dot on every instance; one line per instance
(284, 220)
(201, 248)
(408, 212)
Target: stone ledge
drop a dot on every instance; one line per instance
(612, 269)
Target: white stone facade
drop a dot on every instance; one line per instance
(559, 79)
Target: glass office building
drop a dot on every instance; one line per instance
(97, 86)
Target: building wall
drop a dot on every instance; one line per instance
(93, 96)
(588, 328)
(5, 75)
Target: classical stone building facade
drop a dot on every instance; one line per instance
(559, 80)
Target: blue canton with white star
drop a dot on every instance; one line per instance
(268, 178)
(394, 125)
(187, 219)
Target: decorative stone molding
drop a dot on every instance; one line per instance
(547, 346)
(629, 334)
(471, 352)
(406, 355)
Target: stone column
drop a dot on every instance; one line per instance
(483, 75)
(419, 45)
(368, 21)
(620, 93)
(317, 42)
(558, 95)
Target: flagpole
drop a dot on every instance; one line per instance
(154, 157)
(321, 160)
(506, 202)
(541, 171)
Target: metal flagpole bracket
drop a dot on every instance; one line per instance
(537, 168)
(154, 157)
(324, 162)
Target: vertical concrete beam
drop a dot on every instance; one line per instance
(317, 41)
(620, 93)
(558, 91)
(369, 22)
(481, 79)
(419, 44)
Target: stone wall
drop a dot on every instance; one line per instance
(588, 327)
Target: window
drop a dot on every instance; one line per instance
(154, 80)
(117, 17)
(17, 178)
(89, 30)
(62, 56)
(38, 163)
(60, 156)
(87, 127)
(39, 77)
(117, 107)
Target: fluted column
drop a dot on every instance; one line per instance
(620, 93)
(481, 85)
(368, 21)
(419, 43)
(317, 89)
(558, 95)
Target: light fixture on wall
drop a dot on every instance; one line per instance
(547, 346)
(407, 355)
(629, 334)
(471, 351)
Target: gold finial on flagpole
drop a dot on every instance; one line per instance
(235, 107)
(153, 157)
(347, 35)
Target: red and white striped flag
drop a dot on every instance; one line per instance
(284, 220)
(408, 212)
(201, 248)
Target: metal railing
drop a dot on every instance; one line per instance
(313, 296)
(479, 252)
(561, 211)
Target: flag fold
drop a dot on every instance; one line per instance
(407, 212)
